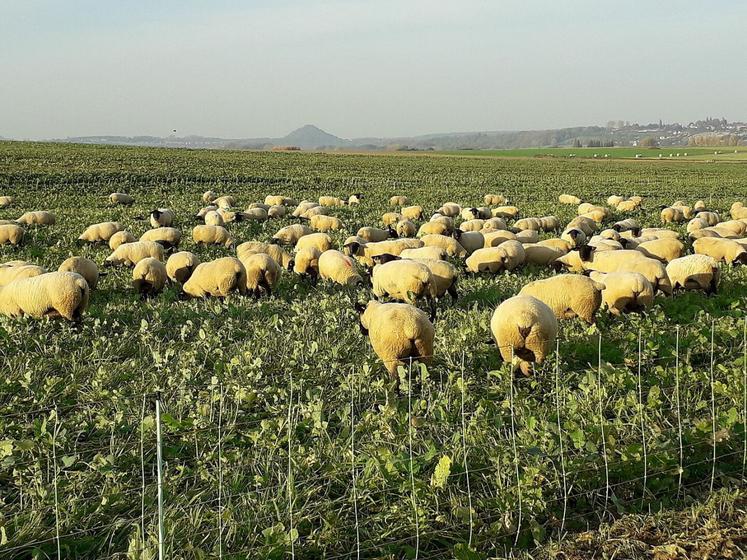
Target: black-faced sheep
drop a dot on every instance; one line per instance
(83, 266)
(217, 278)
(567, 295)
(54, 294)
(524, 329)
(694, 272)
(398, 332)
(149, 277)
(180, 266)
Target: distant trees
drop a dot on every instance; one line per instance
(577, 143)
(595, 143)
(649, 142)
(713, 139)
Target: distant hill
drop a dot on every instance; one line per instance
(311, 137)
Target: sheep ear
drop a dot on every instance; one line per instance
(291, 264)
(585, 252)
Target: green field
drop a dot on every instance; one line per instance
(262, 456)
(674, 153)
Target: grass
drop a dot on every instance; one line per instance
(87, 392)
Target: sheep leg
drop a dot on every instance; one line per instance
(453, 292)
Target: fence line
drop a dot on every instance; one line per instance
(354, 495)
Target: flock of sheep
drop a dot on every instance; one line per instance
(620, 264)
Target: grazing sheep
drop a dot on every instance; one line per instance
(217, 278)
(278, 254)
(550, 223)
(735, 227)
(524, 329)
(672, 215)
(9, 272)
(450, 245)
(204, 211)
(120, 238)
(149, 277)
(723, 250)
(444, 276)
(167, 237)
(470, 240)
(100, 233)
(302, 207)
(83, 266)
(435, 253)
(225, 202)
(6, 201)
(289, 235)
(129, 254)
(276, 212)
(229, 216)
(557, 244)
(630, 205)
(567, 295)
(711, 218)
(614, 200)
(331, 201)
(391, 218)
(664, 250)
(625, 291)
(445, 220)
(629, 224)
(488, 259)
(209, 196)
(609, 234)
(626, 260)
(181, 265)
(121, 198)
(213, 218)
(338, 268)
(513, 253)
(575, 237)
(306, 262)
(694, 272)
(540, 255)
(700, 206)
(162, 217)
(391, 246)
(255, 214)
(450, 209)
(505, 212)
(11, 233)
(412, 212)
(527, 236)
(601, 244)
(398, 201)
(528, 224)
(325, 223)
(405, 228)
(584, 223)
(398, 333)
(495, 238)
(319, 241)
(433, 228)
(658, 233)
(279, 200)
(376, 234)
(38, 218)
(494, 224)
(404, 280)
(354, 246)
(355, 199)
(696, 224)
(494, 199)
(211, 235)
(54, 294)
(569, 199)
(315, 211)
(472, 225)
(738, 211)
(262, 273)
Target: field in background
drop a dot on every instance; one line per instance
(279, 431)
(675, 153)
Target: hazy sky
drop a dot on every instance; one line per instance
(381, 68)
